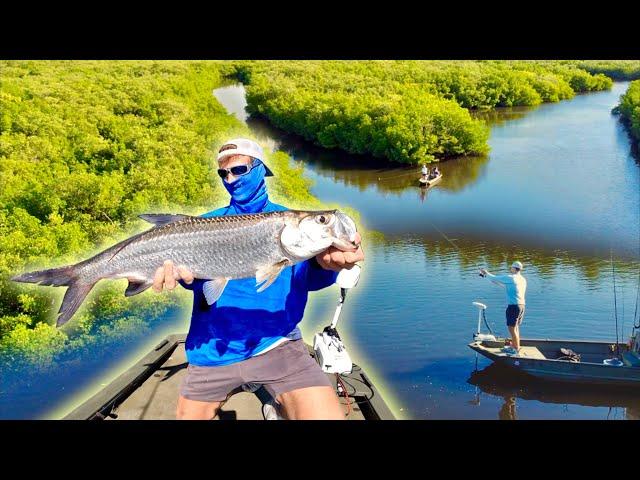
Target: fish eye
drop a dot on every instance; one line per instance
(323, 219)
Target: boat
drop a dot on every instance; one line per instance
(577, 361)
(148, 390)
(430, 181)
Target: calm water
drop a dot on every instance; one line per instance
(559, 191)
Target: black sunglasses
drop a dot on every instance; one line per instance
(237, 171)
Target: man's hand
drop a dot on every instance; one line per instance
(167, 276)
(336, 260)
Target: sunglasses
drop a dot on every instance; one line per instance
(237, 171)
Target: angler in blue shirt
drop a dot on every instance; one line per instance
(250, 337)
(515, 286)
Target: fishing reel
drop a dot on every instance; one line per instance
(331, 353)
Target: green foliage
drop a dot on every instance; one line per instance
(406, 111)
(615, 69)
(629, 109)
(84, 148)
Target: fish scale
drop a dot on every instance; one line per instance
(220, 248)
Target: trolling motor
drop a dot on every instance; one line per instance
(480, 337)
(331, 353)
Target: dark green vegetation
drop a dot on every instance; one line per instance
(629, 109)
(84, 148)
(408, 111)
(615, 69)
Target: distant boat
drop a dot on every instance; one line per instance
(578, 361)
(430, 181)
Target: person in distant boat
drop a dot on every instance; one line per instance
(436, 172)
(516, 286)
(425, 171)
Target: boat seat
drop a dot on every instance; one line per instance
(531, 352)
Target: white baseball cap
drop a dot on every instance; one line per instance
(517, 265)
(243, 146)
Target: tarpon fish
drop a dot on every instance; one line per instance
(219, 249)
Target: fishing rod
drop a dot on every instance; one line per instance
(615, 302)
(451, 242)
(636, 318)
(396, 176)
(479, 305)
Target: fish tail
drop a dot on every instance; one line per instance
(57, 277)
(73, 298)
(54, 276)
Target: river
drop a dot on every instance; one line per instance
(558, 191)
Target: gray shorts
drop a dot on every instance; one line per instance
(282, 369)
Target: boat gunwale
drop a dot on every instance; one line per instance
(494, 356)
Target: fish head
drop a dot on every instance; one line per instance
(316, 231)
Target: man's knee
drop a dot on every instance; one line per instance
(312, 403)
(195, 410)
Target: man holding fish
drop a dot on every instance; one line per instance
(238, 335)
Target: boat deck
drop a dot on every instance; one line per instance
(157, 397)
(525, 352)
(149, 391)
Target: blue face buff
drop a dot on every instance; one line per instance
(249, 192)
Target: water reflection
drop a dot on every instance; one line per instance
(498, 116)
(511, 386)
(365, 171)
(469, 255)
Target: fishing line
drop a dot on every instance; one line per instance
(396, 176)
(615, 301)
(451, 242)
(636, 319)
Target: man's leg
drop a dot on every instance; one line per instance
(515, 337)
(204, 389)
(297, 382)
(195, 410)
(312, 403)
(517, 325)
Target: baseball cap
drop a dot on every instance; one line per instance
(243, 146)
(517, 265)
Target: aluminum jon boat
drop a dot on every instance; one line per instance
(430, 182)
(576, 361)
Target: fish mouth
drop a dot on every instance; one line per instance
(345, 245)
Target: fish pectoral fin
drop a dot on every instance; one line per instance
(134, 288)
(267, 275)
(213, 289)
(159, 219)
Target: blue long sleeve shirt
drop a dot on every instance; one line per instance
(515, 285)
(244, 323)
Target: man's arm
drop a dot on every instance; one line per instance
(316, 277)
(497, 279)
